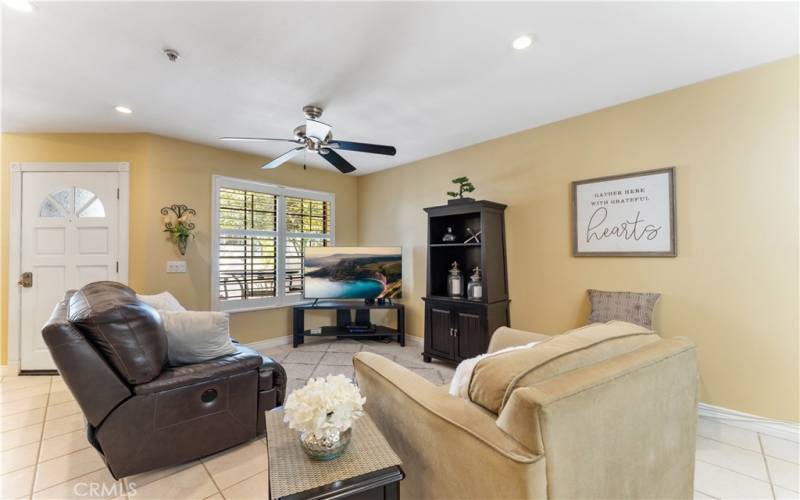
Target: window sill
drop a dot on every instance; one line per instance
(243, 309)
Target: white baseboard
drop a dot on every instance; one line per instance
(777, 428)
(270, 343)
(287, 340)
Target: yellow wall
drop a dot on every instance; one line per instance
(166, 171)
(733, 287)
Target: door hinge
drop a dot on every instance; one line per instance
(117, 193)
(117, 266)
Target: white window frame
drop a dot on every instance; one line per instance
(281, 235)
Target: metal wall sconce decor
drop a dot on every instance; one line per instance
(179, 224)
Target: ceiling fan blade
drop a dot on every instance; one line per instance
(364, 148)
(318, 130)
(254, 139)
(283, 158)
(337, 161)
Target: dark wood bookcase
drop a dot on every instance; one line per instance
(457, 328)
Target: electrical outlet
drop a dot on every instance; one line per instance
(176, 266)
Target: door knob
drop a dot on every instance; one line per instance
(25, 280)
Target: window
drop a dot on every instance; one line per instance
(259, 240)
(74, 200)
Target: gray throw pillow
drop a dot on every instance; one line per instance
(632, 307)
(196, 336)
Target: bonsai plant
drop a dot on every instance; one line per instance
(464, 186)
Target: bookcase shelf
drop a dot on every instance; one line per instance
(442, 245)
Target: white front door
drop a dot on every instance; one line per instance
(68, 239)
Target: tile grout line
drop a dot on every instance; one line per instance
(245, 479)
(706, 494)
(211, 476)
(766, 465)
(731, 470)
(38, 454)
(729, 422)
(763, 452)
(723, 423)
(29, 409)
(730, 444)
(41, 443)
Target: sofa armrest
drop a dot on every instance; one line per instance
(505, 337)
(632, 416)
(439, 436)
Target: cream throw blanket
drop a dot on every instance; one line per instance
(459, 386)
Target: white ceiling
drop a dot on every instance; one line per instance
(424, 77)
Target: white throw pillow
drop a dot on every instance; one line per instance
(459, 386)
(163, 301)
(195, 336)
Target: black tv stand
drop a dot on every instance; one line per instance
(344, 319)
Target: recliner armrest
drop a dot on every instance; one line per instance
(244, 359)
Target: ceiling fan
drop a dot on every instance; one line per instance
(316, 137)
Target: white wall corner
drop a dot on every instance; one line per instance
(9, 370)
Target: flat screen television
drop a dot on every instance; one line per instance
(353, 273)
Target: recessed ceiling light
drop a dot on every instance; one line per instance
(20, 5)
(522, 42)
(124, 110)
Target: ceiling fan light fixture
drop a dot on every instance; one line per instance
(316, 137)
(19, 5)
(522, 42)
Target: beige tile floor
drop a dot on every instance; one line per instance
(44, 452)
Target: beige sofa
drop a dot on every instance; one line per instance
(605, 411)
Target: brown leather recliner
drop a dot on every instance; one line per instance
(142, 414)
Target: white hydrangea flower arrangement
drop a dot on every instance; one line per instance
(324, 405)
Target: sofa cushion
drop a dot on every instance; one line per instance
(496, 377)
(125, 330)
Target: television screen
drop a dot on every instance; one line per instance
(353, 273)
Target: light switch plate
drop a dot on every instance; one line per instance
(176, 266)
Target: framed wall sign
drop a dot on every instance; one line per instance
(630, 215)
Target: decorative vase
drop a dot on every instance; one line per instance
(474, 287)
(328, 447)
(455, 282)
(183, 240)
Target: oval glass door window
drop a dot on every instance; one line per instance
(74, 200)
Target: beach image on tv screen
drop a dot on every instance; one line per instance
(353, 273)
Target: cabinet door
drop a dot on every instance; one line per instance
(470, 340)
(440, 328)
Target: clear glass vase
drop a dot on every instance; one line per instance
(327, 447)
